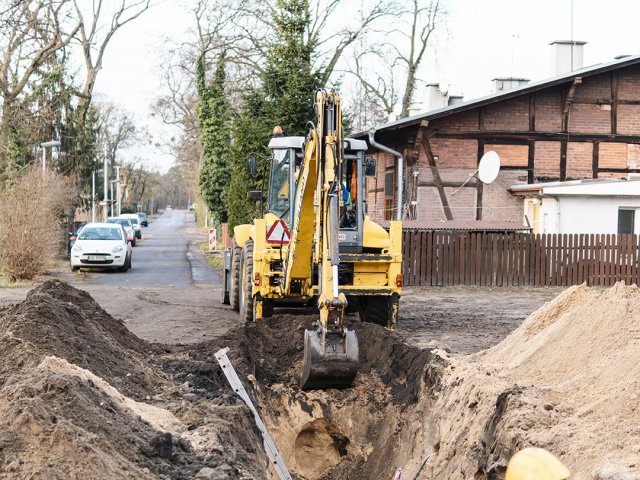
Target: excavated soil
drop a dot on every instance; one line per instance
(81, 397)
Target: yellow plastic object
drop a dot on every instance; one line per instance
(535, 464)
(374, 236)
(242, 233)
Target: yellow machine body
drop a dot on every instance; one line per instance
(327, 249)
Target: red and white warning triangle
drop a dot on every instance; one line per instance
(278, 233)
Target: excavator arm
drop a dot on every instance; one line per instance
(330, 350)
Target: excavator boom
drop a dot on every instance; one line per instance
(330, 351)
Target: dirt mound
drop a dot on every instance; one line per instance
(81, 397)
(581, 356)
(59, 320)
(565, 380)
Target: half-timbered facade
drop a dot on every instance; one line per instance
(579, 125)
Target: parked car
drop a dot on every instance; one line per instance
(101, 245)
(135, 221)
(128, 226)
(143, 219)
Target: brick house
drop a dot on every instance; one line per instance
(583, 124)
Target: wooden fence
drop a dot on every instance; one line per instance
(436, 258)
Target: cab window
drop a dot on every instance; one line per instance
(279, 184)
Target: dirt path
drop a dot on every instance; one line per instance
(466, 319)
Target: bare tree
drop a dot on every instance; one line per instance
(94, 43)
(400, 56)
(136, 178)
(116, 131)
(31, 33)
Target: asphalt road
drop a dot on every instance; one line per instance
(171, 294)
(166, 256)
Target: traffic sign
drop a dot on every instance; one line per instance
(278, 233)
(212, 240)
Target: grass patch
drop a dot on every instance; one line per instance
(5, 283)
(213, 259)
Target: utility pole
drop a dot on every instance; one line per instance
(111, 197)
(105, 171)
(119, 209)
(93, 196)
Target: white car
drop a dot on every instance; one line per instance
(135, 221)
(128, 227)
(101, 245)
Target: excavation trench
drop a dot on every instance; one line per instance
(82, 397)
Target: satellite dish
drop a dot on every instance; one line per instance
(489, 167)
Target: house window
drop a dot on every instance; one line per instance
(388, 194)
(626, 219)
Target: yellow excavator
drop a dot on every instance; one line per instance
(316, 244)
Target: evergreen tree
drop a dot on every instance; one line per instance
(289, 79)
(213, 122)
(284, 97)
(251, 134)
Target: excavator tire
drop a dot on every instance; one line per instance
(377, 309)
(246, 287)
(234, 287)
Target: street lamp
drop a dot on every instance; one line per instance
(113, 202)
(45, 145)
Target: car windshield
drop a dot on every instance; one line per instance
(122, 221)
(142, 215)
(100, 233)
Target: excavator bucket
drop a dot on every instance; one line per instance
(332, 365)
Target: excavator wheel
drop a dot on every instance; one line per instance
(332, 365)
(246, 283)
(381, 310)
(234, 288)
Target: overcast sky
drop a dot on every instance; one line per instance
(483, 39)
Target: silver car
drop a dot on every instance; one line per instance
(128, 226)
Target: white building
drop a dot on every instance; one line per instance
(582, 206)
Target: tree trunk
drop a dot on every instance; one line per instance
(5, 127)
(407, 98)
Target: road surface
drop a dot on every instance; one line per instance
(171, 294)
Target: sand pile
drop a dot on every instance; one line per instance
(582, 352)
(567, 380)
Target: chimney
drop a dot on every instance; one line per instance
(455, 100)
(500, 84)
(436, 98)
(568, 56)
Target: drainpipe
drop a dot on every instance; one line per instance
(400, 175)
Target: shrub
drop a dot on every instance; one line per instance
(30, 227)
